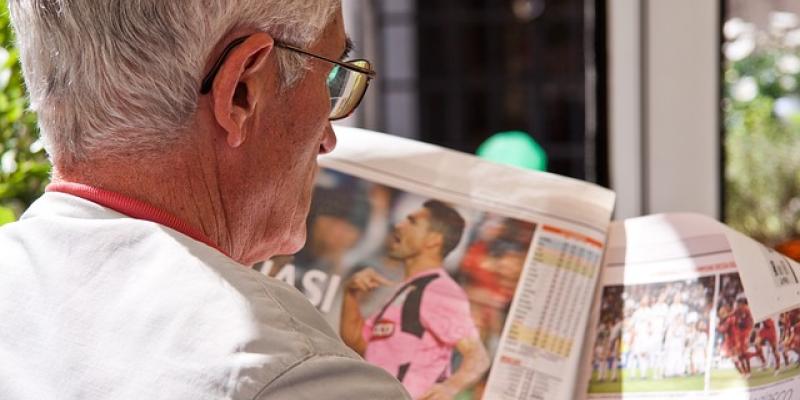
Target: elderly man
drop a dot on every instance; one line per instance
(184, 138)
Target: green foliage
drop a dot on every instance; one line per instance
(762, 142)
(24, 169)
(6, 215)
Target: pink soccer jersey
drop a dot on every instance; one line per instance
(413, 336)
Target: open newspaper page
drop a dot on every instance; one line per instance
(673, 318)
(433, 263)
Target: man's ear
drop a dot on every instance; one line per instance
(235, 92)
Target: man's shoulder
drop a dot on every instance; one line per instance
(122, 284)
(443, 284)
(334, 377)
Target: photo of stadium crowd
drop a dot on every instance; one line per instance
(653, 337)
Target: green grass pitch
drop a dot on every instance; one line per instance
(630, 384)
(720, 380)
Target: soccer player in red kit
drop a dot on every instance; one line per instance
(767, 334)
(729, 346)
(742, 328)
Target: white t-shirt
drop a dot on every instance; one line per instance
(98, 305)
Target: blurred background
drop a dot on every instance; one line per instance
(454, 72)
(680, 105)
(761, 119)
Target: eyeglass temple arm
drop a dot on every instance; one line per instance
(208, 81)
(368, 72)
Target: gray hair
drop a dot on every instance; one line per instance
(122, 77)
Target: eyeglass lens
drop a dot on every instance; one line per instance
(346, 88)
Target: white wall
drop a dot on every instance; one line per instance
(625, 105)
(674, 100)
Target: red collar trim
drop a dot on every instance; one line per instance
(131, 207)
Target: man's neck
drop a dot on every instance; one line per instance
(187, 193)
(422, 263)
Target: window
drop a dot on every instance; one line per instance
(761, 119)
(454, 72)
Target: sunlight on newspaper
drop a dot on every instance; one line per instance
(460, 276)
(689, 308)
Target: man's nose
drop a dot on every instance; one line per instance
(328, 140)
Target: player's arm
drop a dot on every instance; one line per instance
(792, 333)
(475, 364)
(615, 346)
(631, 337)
(352, 322)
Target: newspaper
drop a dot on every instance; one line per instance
(675, 317)
(468, 279)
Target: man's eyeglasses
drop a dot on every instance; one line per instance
(347, 81)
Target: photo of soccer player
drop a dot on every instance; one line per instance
(414, 334)
(490, 269)
(747, 353)
(418, 286)
(653, 337)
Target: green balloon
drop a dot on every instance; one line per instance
(515, 148)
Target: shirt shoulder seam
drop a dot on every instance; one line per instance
(304, 360)
(309, 346)
(284, 372)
